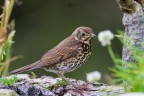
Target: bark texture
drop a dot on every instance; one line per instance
(133, 21)
(46, 86)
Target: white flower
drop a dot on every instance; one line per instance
(105, 37)
(93, 76)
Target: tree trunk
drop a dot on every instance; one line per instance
(133, 21)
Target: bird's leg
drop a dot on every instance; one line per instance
(77, 89)
(64, 78)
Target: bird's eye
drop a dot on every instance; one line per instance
(83, 34)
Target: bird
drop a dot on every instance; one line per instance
(67, 56)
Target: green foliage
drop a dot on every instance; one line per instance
(6, 54)
(6, 40)
(8, 81)
(130, 74)
(120, 36)
(33, 75)
(7, 46)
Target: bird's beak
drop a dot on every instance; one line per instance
(93, 35)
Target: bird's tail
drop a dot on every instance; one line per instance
(25, 68)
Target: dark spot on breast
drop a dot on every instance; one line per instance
(86, 47)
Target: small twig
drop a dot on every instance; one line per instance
(11, 60)
(15, 58)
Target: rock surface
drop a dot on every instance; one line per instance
(7, 92)
(48, 86)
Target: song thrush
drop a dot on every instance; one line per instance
(67, 56)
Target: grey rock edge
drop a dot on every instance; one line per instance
(7, 92)
(26, 86)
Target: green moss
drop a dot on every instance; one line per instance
(8, 81)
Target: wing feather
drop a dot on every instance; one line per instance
(64, 50)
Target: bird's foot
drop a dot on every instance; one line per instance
(80, 87)
(76, 85)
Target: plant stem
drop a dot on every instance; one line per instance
(8, 53)
(111, 54)
(7, 9)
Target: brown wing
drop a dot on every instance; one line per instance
(64, 50)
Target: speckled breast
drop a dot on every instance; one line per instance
(74, 62)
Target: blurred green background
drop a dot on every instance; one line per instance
(42, 24)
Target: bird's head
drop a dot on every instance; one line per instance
(83, 34)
